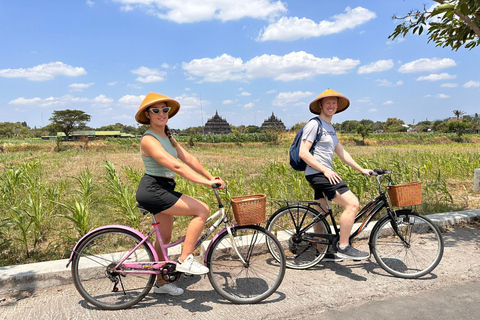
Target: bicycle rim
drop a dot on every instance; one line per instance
(420, 256)
(253, 281)
(299, 253)
(96, 256)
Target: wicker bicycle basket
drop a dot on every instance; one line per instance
(403, 195)
(249, 209)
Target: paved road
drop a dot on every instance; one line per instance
(350, 290)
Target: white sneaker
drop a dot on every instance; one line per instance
(170, 288)
(192, 266)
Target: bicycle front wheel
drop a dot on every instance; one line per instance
(250, 274)
(289, 225)
(96, 279)
(418, 255)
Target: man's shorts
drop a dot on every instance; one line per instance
(321, 185)
(157, 194)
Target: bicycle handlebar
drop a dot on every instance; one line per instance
(379, 172)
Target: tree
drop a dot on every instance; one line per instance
(394, 125)
(453, 23)
(252, 129)
(460, 127)
(349, 126)
(458, 113)
(364, 130)
(68, 120)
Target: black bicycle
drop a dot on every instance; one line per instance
(403, 242)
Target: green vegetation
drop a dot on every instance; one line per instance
(49, 199)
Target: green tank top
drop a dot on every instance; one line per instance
(152, 167)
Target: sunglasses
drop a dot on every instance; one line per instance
(157, 110)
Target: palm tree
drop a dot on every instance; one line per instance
(458, 113)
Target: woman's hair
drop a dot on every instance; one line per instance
(170, 136)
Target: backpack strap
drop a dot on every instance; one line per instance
(319, 131)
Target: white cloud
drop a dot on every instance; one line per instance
(284, 98)
(364, 100)
(249, 105)
(191, 102)
(472, 84)
(388, 102)
(131, 100)
(245, 94)
(25, 101)
(218, 69)
(378, 66)
(426, 64)
(292, 66)
(372, 110)
(227, 102)
(148, 75)
(43, 72)
(189, 11)
(449, 85)
(436, 77)
(271, 91)
(101, 101)
(113, 83)
(442, 96)
(294, 28)
(90, 3)
(80, 86)
(66, 100)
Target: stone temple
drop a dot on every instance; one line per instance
(272, 124)
(217, 125)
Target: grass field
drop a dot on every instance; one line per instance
(49, 199)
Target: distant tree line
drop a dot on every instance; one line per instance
(68, 121)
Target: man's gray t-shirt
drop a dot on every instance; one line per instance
(325, 147)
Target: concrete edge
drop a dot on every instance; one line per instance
(35, 276)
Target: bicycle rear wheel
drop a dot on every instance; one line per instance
(248, 282)
(93, 274)
(420, 254)
(288, 225)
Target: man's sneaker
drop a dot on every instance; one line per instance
(170, 288)
(331, 257)
(351, 253)
(192, 266)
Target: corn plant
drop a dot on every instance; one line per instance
(87, 187)
(122, 196)
(20, 223)
(79, 215)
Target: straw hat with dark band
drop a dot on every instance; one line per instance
(151, 99)
(343, 101)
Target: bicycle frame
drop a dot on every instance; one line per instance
(154, 267)
(370, 210)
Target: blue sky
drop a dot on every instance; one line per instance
(244, 59)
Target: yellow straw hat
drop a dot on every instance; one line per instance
(151, 99)
(343, 101)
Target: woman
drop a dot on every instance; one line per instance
(320, 173)
(161, 154)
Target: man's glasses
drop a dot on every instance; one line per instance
(157, 110)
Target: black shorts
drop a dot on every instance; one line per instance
(321, 185)
(157, 194)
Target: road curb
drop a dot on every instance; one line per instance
(35, 276)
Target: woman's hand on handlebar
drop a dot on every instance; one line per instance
(217, 183)
(367, 172)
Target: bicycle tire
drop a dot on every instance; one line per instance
(299, 253)
(104, 249)
(423, 252)
(250, 283)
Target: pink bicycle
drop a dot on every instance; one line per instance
(115, 266)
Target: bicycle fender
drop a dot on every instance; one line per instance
(207, 251)
(386, 217)
(113, 226)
